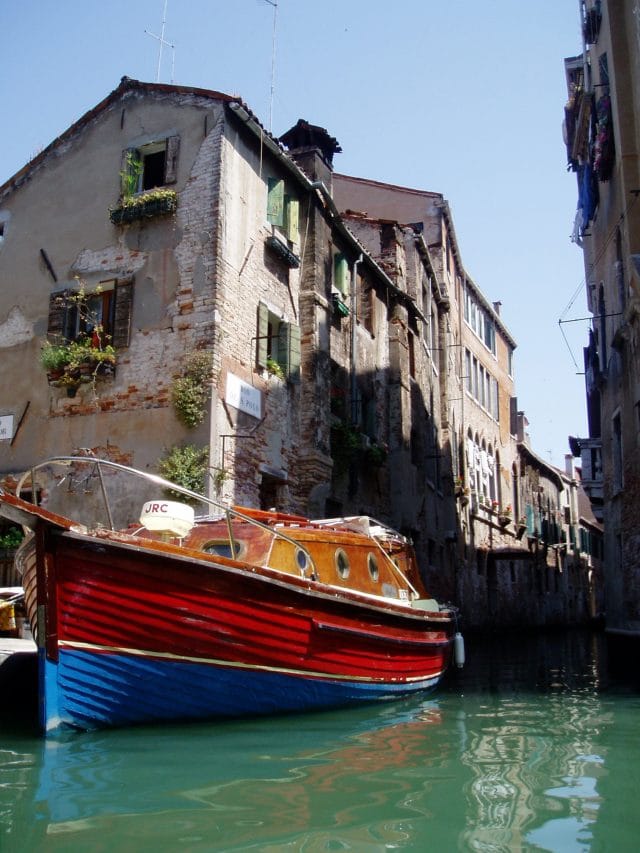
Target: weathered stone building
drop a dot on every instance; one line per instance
(603, 148)
(214, 301)
(168, 226)
(512, 549)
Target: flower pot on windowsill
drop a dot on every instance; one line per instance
(147, 206)
(339, 306)
(279, 248)
(105, 368)
(54, 376)
(85, 365)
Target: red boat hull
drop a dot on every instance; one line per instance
(138, 635)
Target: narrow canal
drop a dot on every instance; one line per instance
(535, 745)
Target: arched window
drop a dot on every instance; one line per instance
(515, 492)
(491, 464)
(484, 469)
(471, 461)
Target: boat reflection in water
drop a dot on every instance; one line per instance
(279, 781)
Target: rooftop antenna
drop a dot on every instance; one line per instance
(273, 3)
(161, 43)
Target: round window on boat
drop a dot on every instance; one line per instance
(302, 559)
(372, 562)
(222, 548)
(342, 563)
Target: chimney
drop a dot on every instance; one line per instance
(312, 148)
(569, 467)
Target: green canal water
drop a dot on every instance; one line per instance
(535, 745)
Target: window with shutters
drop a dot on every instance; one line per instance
(283, 211)
(103, 314)
(278, 344)
(341, 273)
(149, 166)
(145, 176)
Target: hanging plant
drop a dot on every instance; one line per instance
(274, 368)
(220, 478)
(191, 390)
(346, 445)
(11, 538)
(187, 467)
(144, 206)
(376, 455)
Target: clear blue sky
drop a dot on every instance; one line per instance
(461, 97)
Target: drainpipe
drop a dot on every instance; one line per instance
(326, 195)
(354, 382)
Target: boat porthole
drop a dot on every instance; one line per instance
(372, 562)
(222, 548)
(302, 559)
(342, 563)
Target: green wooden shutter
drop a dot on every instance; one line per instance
(58, 306)
(341, 274)
(531, 524)
(289, 350)
(123, 304)
(128, 179)
(292, 210)
(262, 347)
(275, 202)
(171, 160)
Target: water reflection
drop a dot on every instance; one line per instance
(262, 782)
(540, 760)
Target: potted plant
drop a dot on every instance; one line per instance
(83, 360)
(274, 369)
(54, 358)
(504, 516)
(146, 205)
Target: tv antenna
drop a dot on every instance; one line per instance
(161, 43)
(273, 3)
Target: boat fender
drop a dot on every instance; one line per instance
(458, 649)
(171, 517)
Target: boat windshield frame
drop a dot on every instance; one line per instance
(225, 511)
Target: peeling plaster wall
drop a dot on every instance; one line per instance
(15, 330)
(247, 274)
(65, 202)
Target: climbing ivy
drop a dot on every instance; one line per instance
(191, 390)
(187, 467)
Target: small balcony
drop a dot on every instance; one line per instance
(149, 205)
(280, 248)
